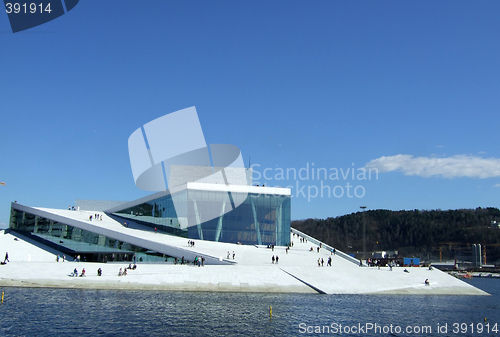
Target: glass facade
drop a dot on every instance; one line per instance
(159, 213)
(75, 241)
(261, 219)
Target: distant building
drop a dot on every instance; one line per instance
(392, 253)
(476, 256)
(379, 255)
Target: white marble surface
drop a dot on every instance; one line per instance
(252, 270)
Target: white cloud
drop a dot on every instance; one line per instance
(447, 167)
(497, 185)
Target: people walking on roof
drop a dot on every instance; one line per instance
(273, 259)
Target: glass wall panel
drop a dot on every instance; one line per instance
(238, 225)
(74, 241)
(272, 213)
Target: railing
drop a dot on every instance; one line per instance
(323, 245)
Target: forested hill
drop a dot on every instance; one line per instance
(417, 233)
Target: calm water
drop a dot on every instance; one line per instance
(68, 312)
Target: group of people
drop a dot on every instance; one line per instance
(229, 255)
(190, 243)
(275, 259)
(60, 257)
(96, 216)
(75, 273)
(199, 260)
(332, 251)
(321, 262)
(123, 271)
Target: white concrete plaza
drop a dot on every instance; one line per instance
(252, 270)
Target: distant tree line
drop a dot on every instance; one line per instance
(416, 233)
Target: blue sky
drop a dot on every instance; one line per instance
(410, 88)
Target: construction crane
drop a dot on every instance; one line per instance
(462, 244)
(484, 249)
